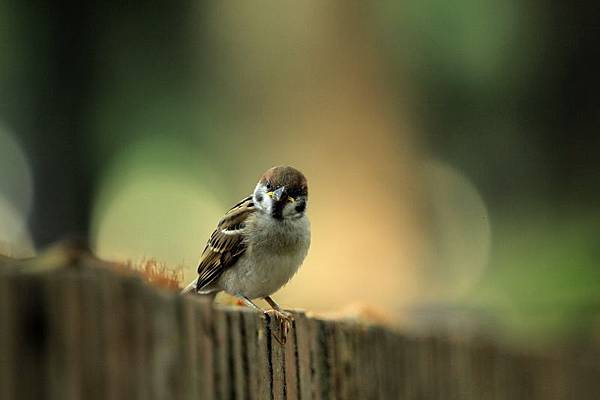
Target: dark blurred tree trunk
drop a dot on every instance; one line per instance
(57, 141)
(64, 58)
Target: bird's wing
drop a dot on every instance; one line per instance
(226, 244)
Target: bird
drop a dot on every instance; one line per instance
(260, 243)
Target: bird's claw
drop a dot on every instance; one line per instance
(285, 320)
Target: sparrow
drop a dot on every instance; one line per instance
(260, 243)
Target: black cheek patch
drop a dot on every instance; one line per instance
(277, 209)
(259, 198)
(301, 207)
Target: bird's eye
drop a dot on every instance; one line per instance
(291, 199)
(269, 186)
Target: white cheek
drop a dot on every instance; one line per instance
(266, 203)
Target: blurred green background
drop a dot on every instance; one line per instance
(452, 148)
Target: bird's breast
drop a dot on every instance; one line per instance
(269, 235)
(275, 251)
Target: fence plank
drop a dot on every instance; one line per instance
(8, 333)
(276, 357)
(303, 339)
(112, 317)
(259, 375)
(163, 342)
(204, 349)
(238, 363)
(29, 338)
(84, 331)
(92, 334)
(65, 360)
(187, 348)
(223, 376)
(318, 359)
(291, 364)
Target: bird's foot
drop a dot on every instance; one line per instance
(285, 320)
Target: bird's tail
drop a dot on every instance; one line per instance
(191, 288)
(210, 293)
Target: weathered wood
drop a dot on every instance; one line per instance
(77, 329)
(204, 351)
(8, 326)
(302, 337)
(361, 362)
(115, 343)
(259, 374)
(93, 336)
(30, 338)
(276, 357)
(164, 336)
(237, 346)
(221, 344)
(318, 359)
(137, 314)
(187, 347)
(343, 361)
(64, 326)
(291, 365)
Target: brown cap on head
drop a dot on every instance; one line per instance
(290, 177)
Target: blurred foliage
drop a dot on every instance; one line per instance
(544, 278)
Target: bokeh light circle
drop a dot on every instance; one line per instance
(148, 207)
(460, 230)
(16, 196)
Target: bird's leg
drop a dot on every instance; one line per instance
(251, 304)
(285, 319)
(275, 306)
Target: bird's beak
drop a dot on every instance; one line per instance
(278, 193)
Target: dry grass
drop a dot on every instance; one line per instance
(150, 270)
(156, 273)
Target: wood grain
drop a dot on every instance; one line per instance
(85, 331)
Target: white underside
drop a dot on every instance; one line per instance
(276, 249)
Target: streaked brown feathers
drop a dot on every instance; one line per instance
(226, 244)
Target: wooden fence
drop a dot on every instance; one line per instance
(71, 328)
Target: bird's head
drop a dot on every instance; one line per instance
(282, 192)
